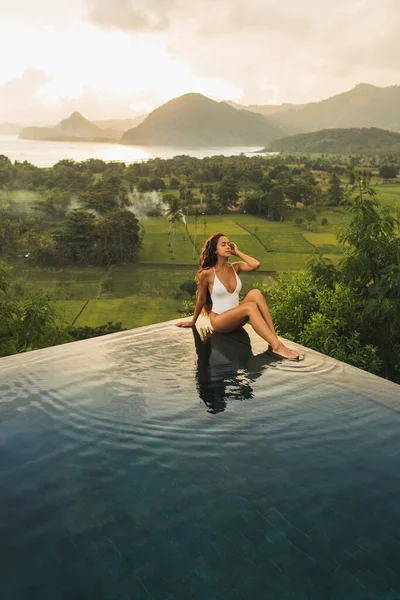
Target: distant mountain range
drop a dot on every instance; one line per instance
(121, 125)
(265, 109)
(195, 120)
(76, 127)
(339, 141)
(363, 106)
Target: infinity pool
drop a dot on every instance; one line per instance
(170, 464)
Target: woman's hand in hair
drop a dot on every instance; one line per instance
(234, 248)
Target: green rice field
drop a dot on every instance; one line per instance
(146, 292)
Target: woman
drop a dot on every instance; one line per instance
(218, 295)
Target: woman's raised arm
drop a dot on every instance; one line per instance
(247, 264)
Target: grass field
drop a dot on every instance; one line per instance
(132, 312)
(389, 194)
(145, 292)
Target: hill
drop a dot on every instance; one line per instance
(266, 109)
(339, 141)
(75, 128)
(195, 120)
(120, 125)
(363, 106)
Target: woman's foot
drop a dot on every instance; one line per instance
(282, 351)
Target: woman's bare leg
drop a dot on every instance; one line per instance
(257, 297)
(236, 317)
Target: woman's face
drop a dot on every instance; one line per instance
(223, 247)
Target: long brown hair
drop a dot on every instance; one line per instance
(208, 259)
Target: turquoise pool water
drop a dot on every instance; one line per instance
(166, 464)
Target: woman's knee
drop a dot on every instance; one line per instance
(251, 307)
(255, 295)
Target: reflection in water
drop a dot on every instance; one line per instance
(226, 367)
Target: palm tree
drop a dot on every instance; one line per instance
(201, 192)
(174, 214)
(196, 214)
(182, 192)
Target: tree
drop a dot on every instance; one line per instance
(66, 175)
(183, 190)
(41, 244)
(325, 319)
(388, 171)
(310, 215)
(274, 204)
(335, 191)
(227, 192)
(108, 194)
(174, 214)
(301, 191)
(26, 324)
(156, 183)
(95, 165)
(213, 207)
(174, 182)
(9, 235)
(196, 215)
(350, 311)
(6, 171)
(255, 174)
(252, 203)
(201, 192)
(76, 242)
(118, 238)
(54, 204)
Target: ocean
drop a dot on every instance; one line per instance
(47, 154)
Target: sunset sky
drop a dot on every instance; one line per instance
(120, 58)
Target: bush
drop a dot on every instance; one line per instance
(189, 288)
(187, 309)
(86, 332)
(17, 288)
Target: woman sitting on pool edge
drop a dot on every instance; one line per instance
(219, 286)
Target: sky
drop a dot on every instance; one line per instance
(121, 58)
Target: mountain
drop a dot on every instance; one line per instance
(363, 106)
(339, 141)
(195, 120)
(121, 125)
(266, 109)
(74, 128)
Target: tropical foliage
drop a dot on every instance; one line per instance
(350, 311)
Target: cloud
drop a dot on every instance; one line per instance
(275, 50)
(29, 100)
(41, 12)
(20, 95)
(138, 15)
(115, 58)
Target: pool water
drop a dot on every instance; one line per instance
(170, 464)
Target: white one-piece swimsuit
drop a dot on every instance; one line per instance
(223, 300)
